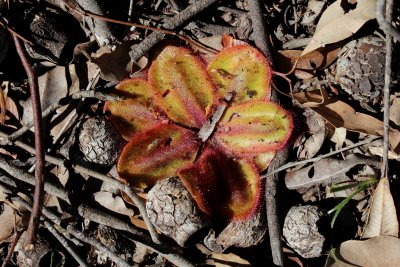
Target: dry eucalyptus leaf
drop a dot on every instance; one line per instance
(377, 251)
(112, 202)
(53, 85)
(225, 260)
(395, 111)
(336, 24)
(339, 136)
(341, 114)
(8, 220)
(12, 113)
(324, 171)
(308, 64)
(378, 151)
(115, 65)
(382, 216)
(314, 9)
(310, 142)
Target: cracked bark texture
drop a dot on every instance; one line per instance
(301, 231)
(363, 78)
(173, 211)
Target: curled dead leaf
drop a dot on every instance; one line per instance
(382, 216)
(307, 65)
(324, 171)
(341, 114)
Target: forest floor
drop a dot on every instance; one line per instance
(199, 133)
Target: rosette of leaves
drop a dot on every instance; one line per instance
(161, 118)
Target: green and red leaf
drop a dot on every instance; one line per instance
(156, 154)
(182, 86)
(243, 70)
(224, 188)
(137, 112)
(254, 127)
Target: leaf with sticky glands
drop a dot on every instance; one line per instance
(241, 69)
(254, 127)
(136, 113)
(157, 153)
(223, 187)
(182, 86)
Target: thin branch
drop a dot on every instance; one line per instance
(386, 92)
(18, 173)
(302, 162)
(14, 33)
(63, 241)
(260, 33)
(259, 36)
(105, 219)
(34, 220)
(172, 23)
(385, 24)
(78, 234)
(12, 248)
(208, 128)
(184, 16)
(53, 107)
(113, 182)
(272, 208)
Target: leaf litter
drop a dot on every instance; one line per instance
(236, 143)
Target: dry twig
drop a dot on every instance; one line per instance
(386, 92)
(102, 218)
(184, 16)
(302, 162)
(53, 107)
(385, 24)
(63, 241)
(113, 182)
(12, 248)
(47, 214)
(271, 185)
(18, 173)
(34, 220)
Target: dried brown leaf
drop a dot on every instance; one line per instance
(324, 171)
(377, 251)
(310, 142)
(336, 24)
(341, 114)
(112, 202)
(395, 111)
(115, 65)
(307, 65)
(382, 217)
(8, 220)
(224, 260)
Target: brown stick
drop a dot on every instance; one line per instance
(12, 248)
(170, 24)
(386, 92)
(34, 220)
(272, 184)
